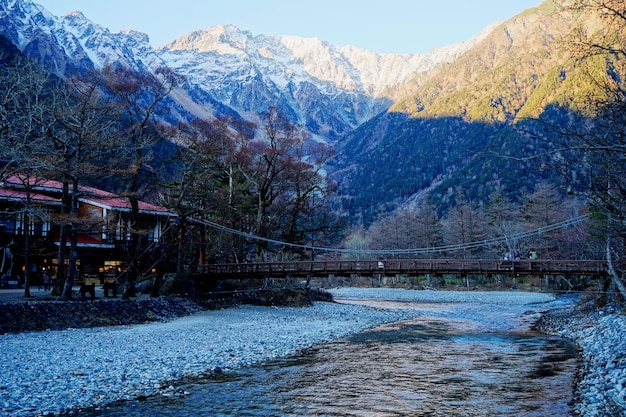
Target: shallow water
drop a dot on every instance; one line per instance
(453, 360)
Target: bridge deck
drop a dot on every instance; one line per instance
(407, 267)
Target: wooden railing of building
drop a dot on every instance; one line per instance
(461, 267)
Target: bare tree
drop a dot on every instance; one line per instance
(464, 223)
(595, 149)
(544, 207)
(309, 190)
(355, 243)
(284, 174)
(191, 191)
(394, 231)
(268, 164)
(138, 97)
(428, 228)
(504, 221)
(232, 204)
(80, 137)
(408, 227)
(24, 118)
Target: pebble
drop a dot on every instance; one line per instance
(601, 336)
(63, 371)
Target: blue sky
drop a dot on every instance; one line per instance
(391, 26)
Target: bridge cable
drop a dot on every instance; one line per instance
(443, 248)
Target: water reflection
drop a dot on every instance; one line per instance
(446, 363)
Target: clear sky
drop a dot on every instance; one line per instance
(383, 26)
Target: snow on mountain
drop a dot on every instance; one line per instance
(329, 90)
(84, 44)
(299, 59)
(128, 47)
(38, 33)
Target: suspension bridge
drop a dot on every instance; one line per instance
(410, 267)
(383, 262)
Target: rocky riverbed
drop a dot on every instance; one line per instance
(601, 336)
(47, 372)
(51, 372)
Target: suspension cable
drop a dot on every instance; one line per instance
(414, 251)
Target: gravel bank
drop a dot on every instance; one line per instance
(431, 296)
(50, 372)
(601, 336)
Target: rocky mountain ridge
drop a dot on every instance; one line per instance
(329, 90)
(298, 59)
(403, 126)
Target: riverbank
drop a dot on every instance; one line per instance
(601, 335)
(42, 311)
(50, 372)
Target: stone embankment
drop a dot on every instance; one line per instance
(59, 315)
(24, 315)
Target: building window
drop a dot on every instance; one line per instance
(8, 225)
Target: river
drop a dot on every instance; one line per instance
(451, 360)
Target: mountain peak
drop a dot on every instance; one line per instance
(346, 67)
(139, 37)
(222, 39)
(76, 14)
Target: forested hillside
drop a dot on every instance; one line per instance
(465, 127)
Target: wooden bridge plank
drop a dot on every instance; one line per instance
(406, 267)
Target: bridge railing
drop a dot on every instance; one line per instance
(407, 266)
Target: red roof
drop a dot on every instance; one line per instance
(107, 199)
(33, 182)
(17, 195)
(89, 195)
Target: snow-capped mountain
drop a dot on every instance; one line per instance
(329, 90)
(294, 59)
(71, 41)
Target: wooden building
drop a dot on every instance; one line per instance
(31, 218)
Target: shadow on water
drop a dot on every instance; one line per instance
(429, 366)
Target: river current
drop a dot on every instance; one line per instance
(451, 360)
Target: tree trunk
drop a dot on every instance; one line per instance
(59, 284)
(202, 247)
(132, 271)
(73, 233)
(260, 216)
(26, 257)
(615, 277)
(180, 261)
(71, 267)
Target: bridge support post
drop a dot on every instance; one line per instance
(465, 278)
(439, 279)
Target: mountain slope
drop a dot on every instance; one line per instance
(402, 125)
(328, 90)
(494, 80)
(456, 130)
